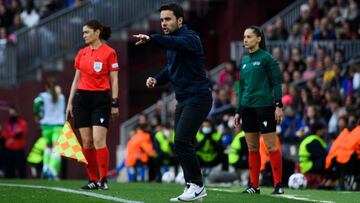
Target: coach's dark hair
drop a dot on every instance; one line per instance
(259, 33)
(105, 31)
(175, 8)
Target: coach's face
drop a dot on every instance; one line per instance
(169, 22)
(90, 35)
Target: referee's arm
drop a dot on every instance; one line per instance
(114, 80)
(276, 78)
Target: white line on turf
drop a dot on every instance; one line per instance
(100, 196)
(295, 197)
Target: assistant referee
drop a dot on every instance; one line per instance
(260, 107)
(90, 103)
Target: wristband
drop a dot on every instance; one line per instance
(115, 102)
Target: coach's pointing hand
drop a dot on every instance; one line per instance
(151, 82)
(142, 39)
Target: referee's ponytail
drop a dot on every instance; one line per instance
(105, 31)
(259, 33)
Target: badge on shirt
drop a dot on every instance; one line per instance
(97, 66)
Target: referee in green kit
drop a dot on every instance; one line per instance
(259, 107)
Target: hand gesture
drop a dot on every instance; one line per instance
(114, 112)
(151, 82)
(143, 39)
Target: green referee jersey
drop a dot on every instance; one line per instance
(260, 80)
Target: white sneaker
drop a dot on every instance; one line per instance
(194, 192)
(176, 199)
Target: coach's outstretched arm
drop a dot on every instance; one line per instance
(189, 43)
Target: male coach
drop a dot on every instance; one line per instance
(185, 69)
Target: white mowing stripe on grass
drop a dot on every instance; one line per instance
(295, 197)
(100, 196)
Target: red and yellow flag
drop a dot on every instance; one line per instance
(68, 146)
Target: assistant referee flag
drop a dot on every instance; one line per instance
(68, 146)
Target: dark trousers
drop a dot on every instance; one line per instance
(188, 119)
(15, 164)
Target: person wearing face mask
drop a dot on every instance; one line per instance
(164, 146)
(209, 148)
(14, 133)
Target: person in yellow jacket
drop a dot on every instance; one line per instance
(35, 157)
(312, 150)
(312, 155)
(209, 147)
(238, 153)
(164, 146)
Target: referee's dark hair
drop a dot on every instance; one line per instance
(105, 31)
(259, 33)
(175, 8)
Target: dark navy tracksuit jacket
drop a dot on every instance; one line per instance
(185, 67)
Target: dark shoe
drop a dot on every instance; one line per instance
(92, 185)
(103, 184)
(278, 190)
(251, 190)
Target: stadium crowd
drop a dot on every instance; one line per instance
(16, 14)
(321, 91)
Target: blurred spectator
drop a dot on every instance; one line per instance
(296, 57)
(295, 33)
(138, 151)
(291, 124)
(269, 32)
(312, 154)
(314, 8)
(238, 152)
(347, 82)
(17, 24)
(325, 31)
(30, 17)
(164, 145)
(5, 17)
(277, 54)
(336, 111)
(280, 32)
(209, 146)
(310, 71)
(354, 17)
(222, 99)
(14, 133)
(305, 16)
(229, 75)
(339, 58)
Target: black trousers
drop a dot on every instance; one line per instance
(188, 119)
(15, 164)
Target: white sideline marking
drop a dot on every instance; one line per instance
(100, 196)
(303, 198)
(295, 197)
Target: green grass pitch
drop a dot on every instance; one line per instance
(152, 193)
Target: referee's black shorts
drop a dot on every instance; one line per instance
(91, 108)
(260, 119)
